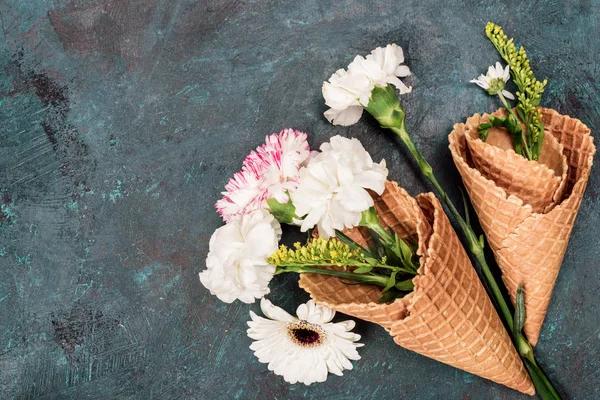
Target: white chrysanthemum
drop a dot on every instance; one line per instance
(494, 81)
(236, 266)
(347, 92)
(266, 173)
(332, 193)
(306, 348)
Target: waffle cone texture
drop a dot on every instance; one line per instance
(526, 208)
(448, 316)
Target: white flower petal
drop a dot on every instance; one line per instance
(345, 117)
(506, 74)
(508, 95)
(339, 97)
(402, 88)
(499, 72)
(355, 198)
(314, 313)
(274, 312)
(479, 83)
(402, 71)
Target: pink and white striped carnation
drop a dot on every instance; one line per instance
(266, 173)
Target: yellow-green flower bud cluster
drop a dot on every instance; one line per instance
(317, 251)
(530, 90)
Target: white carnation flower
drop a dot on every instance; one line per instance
(332, 193)
(268, 172)
(303, 349)
(236, 266)
(348, 92)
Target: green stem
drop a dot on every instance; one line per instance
(349, 263)
(369, 279)
(378, 280)
(524, 140)
(394, 243)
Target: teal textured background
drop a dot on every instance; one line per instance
(122, 120)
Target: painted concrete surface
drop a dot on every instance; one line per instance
(120, 124)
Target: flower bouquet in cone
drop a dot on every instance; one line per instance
(375, 253)
(525, 171)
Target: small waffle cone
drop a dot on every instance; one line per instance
(526, 209)
(448, 316)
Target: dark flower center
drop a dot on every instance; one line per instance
(305, 334)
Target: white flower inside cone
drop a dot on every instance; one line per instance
(303, 349)
(493, 82)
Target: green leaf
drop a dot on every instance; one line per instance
(369, 218)
(363, 270)
(406, 286)
(413, 246)
(406, 253)
(353, 245)
(521, 112)
(497, 121)
(519, 318)
(542, 385)
(391, 282)
(372, 261)
(483, 132)
(390, 295)
(379, 248)
(514, 127)
(284, 213)
(513, 124)
(392, 257)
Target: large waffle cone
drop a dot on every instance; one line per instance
(448, 316)
(527, 224)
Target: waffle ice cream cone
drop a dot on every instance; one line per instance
(526, 208)
(448, 316)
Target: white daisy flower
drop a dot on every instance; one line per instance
(332, 190)
(348, 91)
(236, 266)
(306, 348)
(266, 173)
(495, 81)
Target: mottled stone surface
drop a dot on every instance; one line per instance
(122, 120)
